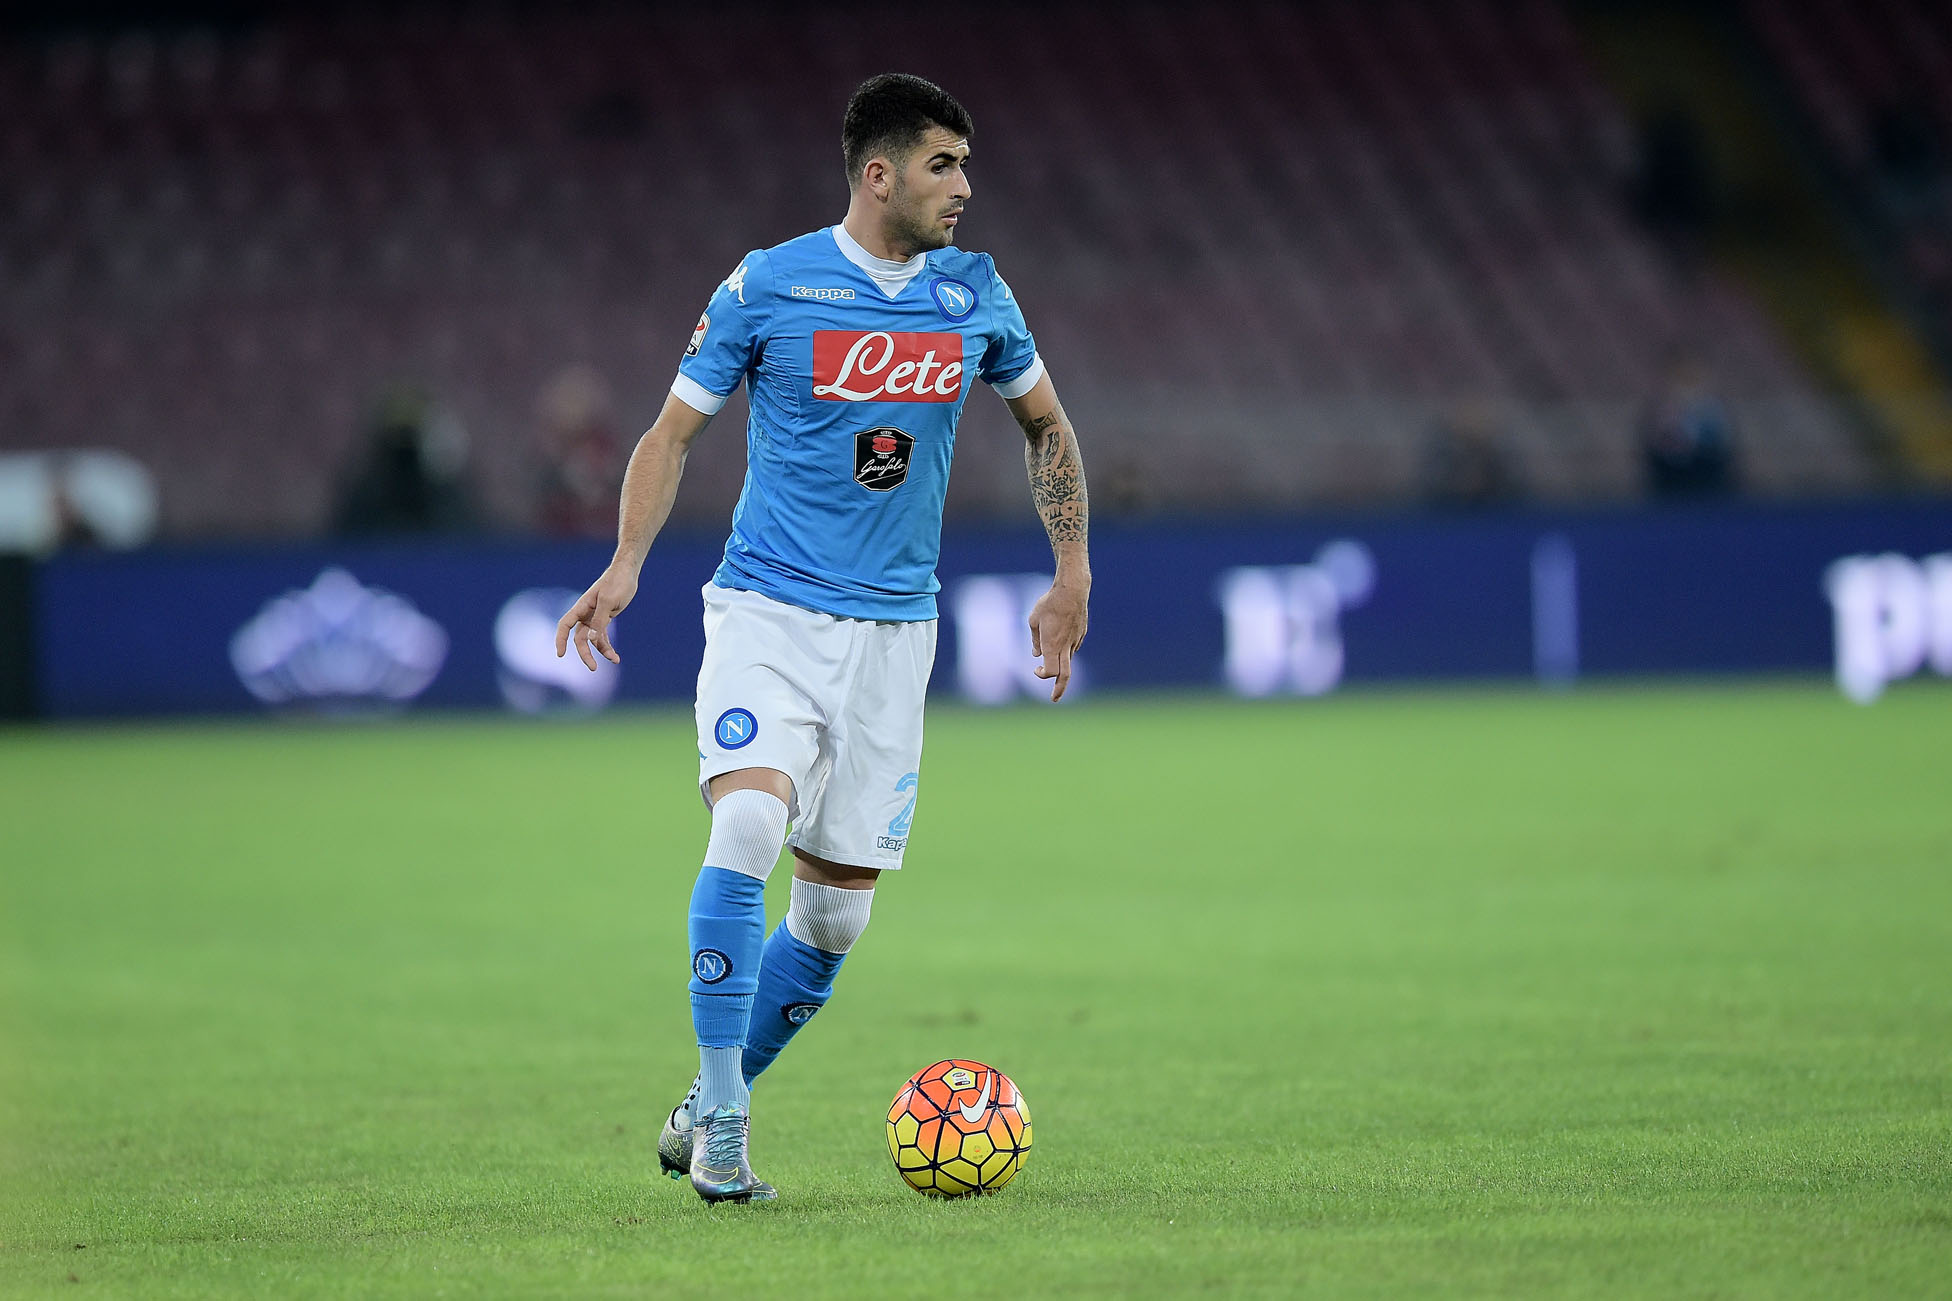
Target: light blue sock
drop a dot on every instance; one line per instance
(720, 1076)
(727, 929)
(795, 981)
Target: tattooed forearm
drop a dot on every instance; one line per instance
(1057, 478)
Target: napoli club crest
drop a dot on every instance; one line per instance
(953, 299)
(735, 729)
(881, 458)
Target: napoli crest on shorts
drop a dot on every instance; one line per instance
(800, 1013)
(710, 966)
(953, 298)
(881, 458)
(735, 728)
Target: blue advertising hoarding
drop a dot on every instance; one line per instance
(1261, 607)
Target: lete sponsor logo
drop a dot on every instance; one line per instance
(886, 366)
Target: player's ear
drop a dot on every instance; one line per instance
(878, 177)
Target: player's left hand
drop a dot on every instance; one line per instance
(1057, 624)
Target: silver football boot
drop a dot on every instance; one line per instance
(674, 1144)
(719, 1169)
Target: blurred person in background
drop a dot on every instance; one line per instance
(412, 475)
(1674, 184)
(1465, 460)
(1687, 435)
(582, 455)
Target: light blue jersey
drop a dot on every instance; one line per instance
(855, 395)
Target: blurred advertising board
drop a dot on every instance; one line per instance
(1295, 607)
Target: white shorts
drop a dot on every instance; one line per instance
(835, 704)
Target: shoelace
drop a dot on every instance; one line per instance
(725, 1139)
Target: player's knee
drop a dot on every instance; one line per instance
(748, 828)
(828, 917)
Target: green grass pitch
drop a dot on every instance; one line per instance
(1626, 992)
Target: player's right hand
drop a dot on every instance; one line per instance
(590, 617)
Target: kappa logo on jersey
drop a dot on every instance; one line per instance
(886, 366)
(956, 299)
(881, 458)
(698, 335)
(736, 282)
(828, 295)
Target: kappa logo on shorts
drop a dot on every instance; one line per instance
(881, 458)
(799, 1013)
(735, 729)
(710, 966)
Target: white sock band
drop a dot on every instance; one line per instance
(748, 827)
(829, 917)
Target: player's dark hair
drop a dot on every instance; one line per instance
(890, 114)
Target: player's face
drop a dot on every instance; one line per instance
(929, 192)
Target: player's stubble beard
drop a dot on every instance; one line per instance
(913, 224)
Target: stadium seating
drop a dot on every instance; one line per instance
(1875, 80)
(1266, 248)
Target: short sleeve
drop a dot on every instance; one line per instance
(1010, 363)
(729, 337)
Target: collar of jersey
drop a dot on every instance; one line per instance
(889, 277)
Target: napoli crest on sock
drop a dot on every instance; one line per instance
(799, 1013)
(710, 966)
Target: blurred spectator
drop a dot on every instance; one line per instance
(414, 475)
(1687, 435)
(1904, 145)
(1674, 187)
(1122, 487)
(584, 456)
(1465, 461)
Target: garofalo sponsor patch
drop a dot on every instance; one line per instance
(881, 458)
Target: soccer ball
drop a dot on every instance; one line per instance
(958, 1128)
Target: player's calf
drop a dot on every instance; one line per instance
(727, 928)
(802, 957)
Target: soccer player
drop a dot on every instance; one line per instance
(858, 345)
